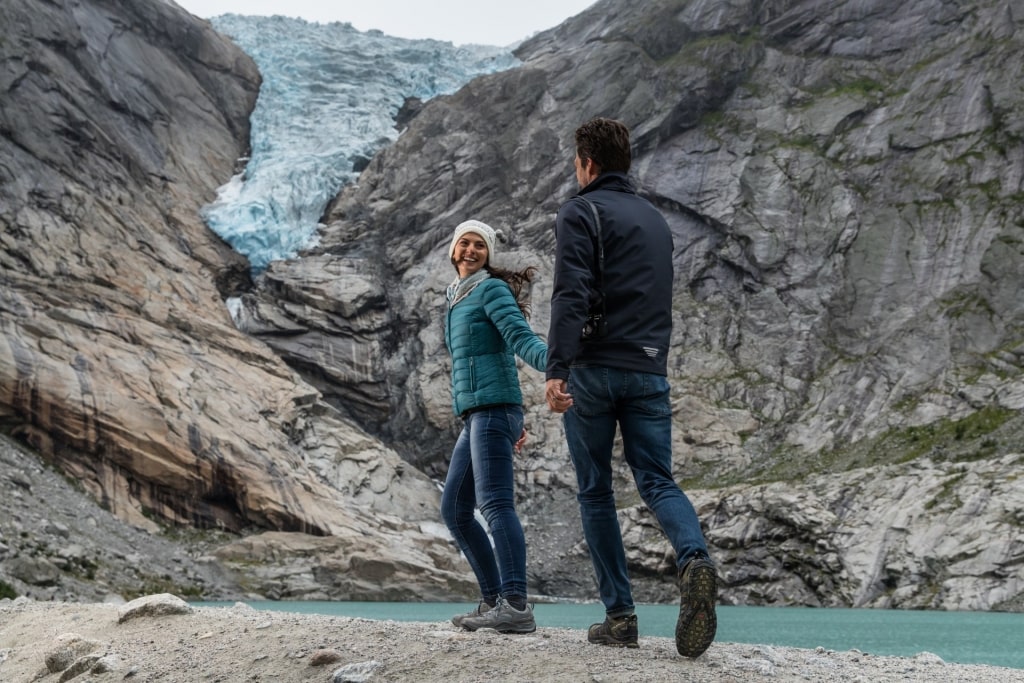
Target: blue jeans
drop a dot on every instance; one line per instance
(638, 403)
(480, 475)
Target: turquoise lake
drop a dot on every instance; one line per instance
(995, 638)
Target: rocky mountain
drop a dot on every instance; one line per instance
(842, 180)
(120, 363)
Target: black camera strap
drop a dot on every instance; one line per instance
(600, 251)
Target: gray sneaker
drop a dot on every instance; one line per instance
(504, 618)
(482, 608)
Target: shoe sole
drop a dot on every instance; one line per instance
(614, 643)
(516, 630)
(695, 629)
(501, 629)
(505, 630)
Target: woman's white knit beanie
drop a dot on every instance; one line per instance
(487, 232)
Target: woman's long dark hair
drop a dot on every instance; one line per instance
(517, 280)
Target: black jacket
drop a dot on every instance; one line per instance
(637, 281)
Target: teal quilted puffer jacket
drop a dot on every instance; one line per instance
(484, 333)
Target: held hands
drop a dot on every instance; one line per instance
(554, 392)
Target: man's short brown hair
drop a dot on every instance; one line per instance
(606, 142)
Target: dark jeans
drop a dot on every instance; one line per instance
(638, 403)
(480, 475)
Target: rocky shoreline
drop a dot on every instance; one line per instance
(161, 637)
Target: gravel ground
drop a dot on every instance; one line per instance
(243, 644)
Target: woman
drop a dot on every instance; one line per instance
(486, 327)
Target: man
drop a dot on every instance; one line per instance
(613, 281)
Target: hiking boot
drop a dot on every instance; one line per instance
(698, 591)
(482, 608)
(504, 618)
(617, 632)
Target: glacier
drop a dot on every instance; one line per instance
(327, 104)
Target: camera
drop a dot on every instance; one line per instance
(595, 327)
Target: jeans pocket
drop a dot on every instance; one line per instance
(587, 386)
(516, 421)
(656, 395)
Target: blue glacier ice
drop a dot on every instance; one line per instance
(327, 103)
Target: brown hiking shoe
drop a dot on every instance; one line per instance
(619, 632)
(698, 592)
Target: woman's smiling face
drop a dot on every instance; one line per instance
(470, 254)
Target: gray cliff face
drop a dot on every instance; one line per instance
(842, 180)
(120, 363)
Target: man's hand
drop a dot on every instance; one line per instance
(554, 392)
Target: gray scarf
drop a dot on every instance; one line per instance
(460, 288)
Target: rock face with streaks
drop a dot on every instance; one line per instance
(120, 363)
